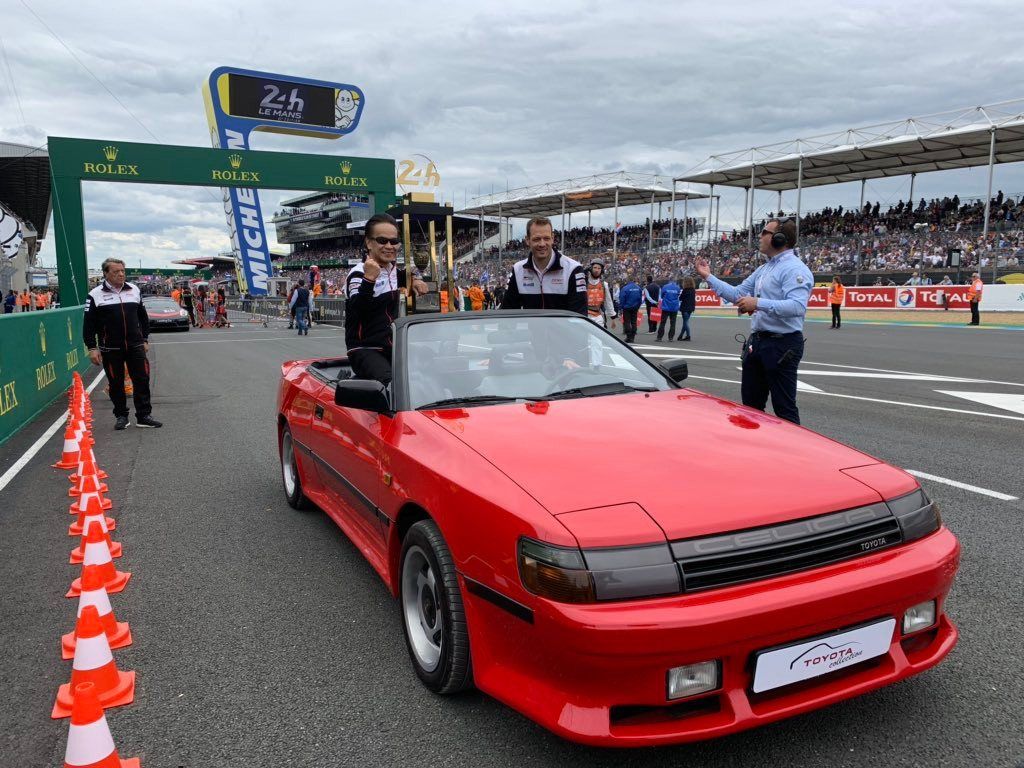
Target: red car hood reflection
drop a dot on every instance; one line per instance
(698, 465)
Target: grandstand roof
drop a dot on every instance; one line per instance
(939, 142)
(25, 184)
(585, 193)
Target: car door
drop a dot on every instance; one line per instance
(300, 411)
(348, 443)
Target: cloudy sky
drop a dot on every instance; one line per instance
(501, 94)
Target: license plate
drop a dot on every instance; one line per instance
(822, 655)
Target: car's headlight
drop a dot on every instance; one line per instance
(182, 313)
(569, 575)
(917, 515)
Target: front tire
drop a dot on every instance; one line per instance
(290, 472)
(434, 619)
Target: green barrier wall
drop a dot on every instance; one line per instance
(38, 353)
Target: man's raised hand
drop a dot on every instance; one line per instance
(371, 269)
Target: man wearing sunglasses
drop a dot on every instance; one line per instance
(374, 291)
(775, 296)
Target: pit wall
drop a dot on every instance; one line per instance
(39, 351)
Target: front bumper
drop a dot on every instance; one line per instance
(596, 673)
(170, 324)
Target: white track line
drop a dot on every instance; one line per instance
(964, 486)
(27, 456)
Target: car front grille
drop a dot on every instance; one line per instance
(760, 553)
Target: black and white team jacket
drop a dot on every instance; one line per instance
(562, 286)
(371, 307)
(115, 319)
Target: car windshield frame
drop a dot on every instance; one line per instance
(159, 302)
(645, 375)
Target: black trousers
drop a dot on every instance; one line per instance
(975, 314)
(114, 361)
(770, 369)
(629, 322)
(651, 325)
(191, 313)
(371, 364)
(837, 321)
(670, 318)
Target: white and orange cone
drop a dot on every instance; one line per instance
(118, 633)
(69, 456)
(94, 663)
(114, 547)
(90, 744)
(86, 465)
(82, 505)
(91, 510)
(88, 482)
(97, 553)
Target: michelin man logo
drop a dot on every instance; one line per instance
(10, 233)
(346, 104)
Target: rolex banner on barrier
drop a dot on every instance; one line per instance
(240, 101)
(37, 369)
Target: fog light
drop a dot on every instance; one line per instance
(692, 679)
(918, 617)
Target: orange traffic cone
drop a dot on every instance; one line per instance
(97, 553)
(69, 458)
(93, 511)
(90, 744)
(87, 465)
(88, 482)
(93, 593)
(94, 664)
(114, 547)
(82, 505)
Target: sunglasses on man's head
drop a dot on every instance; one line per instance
(386, 240)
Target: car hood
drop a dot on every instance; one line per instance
(696, 464)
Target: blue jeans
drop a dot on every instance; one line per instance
(686, 324)
(302, 320)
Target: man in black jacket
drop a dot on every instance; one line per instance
(652, 293)
(374, 290)
(546, 279)
(115, 331)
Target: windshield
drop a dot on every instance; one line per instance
(163, 305)
(458, 362)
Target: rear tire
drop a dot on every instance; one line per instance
(434, 619)
(290, 472)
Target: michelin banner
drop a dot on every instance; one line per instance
(38, 353)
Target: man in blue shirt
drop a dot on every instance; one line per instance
(775, 296)
(630, 299)
(669, 308)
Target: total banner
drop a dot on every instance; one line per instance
(995, 298)
(38, 353)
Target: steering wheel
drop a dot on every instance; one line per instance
(565, 377)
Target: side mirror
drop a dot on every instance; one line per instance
(675, 367)
(363, 394)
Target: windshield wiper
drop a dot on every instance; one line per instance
(598, 390)
(473, 399)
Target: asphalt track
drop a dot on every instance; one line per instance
(262, 638)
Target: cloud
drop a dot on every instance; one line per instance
(512, 94)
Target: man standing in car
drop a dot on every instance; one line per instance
(775, 296)
(546, 279)
(374, 290)
(116, 333)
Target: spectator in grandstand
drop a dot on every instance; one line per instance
(116, 333)
(670, 294)
(600, 307)
(775, 296)
(687, 306)
(630, 299)
(374, 290)
(546, 279)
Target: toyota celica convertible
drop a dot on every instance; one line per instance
(758, 570)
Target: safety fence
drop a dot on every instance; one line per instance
(995, 298)
(274, 310)
(39, 352)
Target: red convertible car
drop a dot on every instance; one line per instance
(756, 570)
